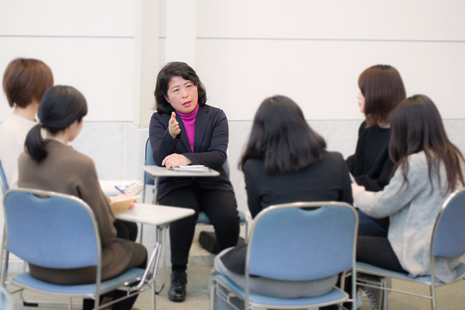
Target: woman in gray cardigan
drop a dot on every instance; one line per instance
(427, 168)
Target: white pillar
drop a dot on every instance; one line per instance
(146, 60)
(181, 31)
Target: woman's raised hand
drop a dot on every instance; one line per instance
(173, 126)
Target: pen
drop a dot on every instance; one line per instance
(120, 190)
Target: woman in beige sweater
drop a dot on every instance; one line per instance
(50, 164)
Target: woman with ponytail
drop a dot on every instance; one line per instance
(51, 164)
(24, 83)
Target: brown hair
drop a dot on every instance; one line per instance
(26, 80)
(416, 126)
(383, 89)
(163, 82)
(282, 138)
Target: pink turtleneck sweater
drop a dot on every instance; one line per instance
(189, 123)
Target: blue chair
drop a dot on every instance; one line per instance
(67, 223)
(291, 244)
(447, 240)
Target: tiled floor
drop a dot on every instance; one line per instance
(450, 297)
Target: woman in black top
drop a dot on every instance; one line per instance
(381, 90)
(285, 161)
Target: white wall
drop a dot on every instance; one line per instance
(87, 44)
(313, 51)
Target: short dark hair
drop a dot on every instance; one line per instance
(282, 137)
(383, 89)
(416, 126)
(60, 107)
(26, 80)
(165, 75)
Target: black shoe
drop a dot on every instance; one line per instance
(177, 292)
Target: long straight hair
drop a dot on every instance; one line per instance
(282, 138)
(416, 126)
(60, 107)
(383, 89)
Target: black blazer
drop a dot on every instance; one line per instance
(210, 145)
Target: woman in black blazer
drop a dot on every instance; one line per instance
(186, 131)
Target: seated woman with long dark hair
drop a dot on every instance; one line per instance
(285, 161)
(381, 89)
(427, 168)
(52, 165)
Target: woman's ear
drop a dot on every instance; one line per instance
(166, 98)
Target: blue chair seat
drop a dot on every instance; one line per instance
(370, 269)
(130, 276)
(203, 218)
(335, 296)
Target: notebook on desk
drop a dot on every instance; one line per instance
(191, 168)
(128, 186)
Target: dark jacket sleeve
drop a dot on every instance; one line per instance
(160, 139)
(350, 161)
(215, 156)
(251, 186)
(379, 176)
(346, 191)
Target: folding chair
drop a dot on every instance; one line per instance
(60, 231)
(290, 244)
(447, 240)
(4, 187)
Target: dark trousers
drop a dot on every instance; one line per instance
(221, 208)
(89, 304)
(124, 230)
(377, 251)
(373, 250)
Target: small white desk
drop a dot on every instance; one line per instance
(153, 214)
(157, 215)
(157, 172)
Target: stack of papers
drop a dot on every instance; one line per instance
(192, 168)
(128, 186)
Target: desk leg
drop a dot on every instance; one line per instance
(155, 192)
(161, 236)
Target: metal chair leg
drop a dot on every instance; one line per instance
(163, 253)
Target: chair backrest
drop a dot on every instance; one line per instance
(288, 243)
(4, 184)
(150, 162)
(448, 238)
(56, 231)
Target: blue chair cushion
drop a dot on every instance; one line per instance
(25, 279)
(203, 218)
(333, 297)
